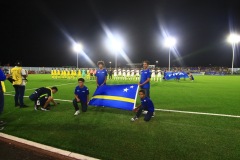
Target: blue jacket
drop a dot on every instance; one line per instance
(2, 78)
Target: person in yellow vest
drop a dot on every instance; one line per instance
(19, 76)
(62, 73)
(3, 77)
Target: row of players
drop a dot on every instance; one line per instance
(120, 74)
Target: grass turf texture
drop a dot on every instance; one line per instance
(107, 133)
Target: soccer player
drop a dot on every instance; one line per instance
(88, 74)
(115, 74)
(147, 105)
(159, 75)
(52, 73)
(81, 96)
(132, 74)
(124, 74)
(79, 74)
(58, 73)
(91, 74)
(68, 74)
(101, 74)
(83, 73)
(42, 97)
(119, 74)
(137, 74)
(128, 74)
(153, 75)
(145, 78)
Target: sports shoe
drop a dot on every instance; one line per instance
(134, 119)
(76, 113)
(144, 112)
(153, 114)
(43, 109)
(2, 123)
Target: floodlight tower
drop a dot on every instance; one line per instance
(170, 42)
(78, 48)
(233, 38)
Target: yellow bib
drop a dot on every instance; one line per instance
(17, 75)
(3, 86)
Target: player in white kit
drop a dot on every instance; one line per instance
(115, 74)
(137, 74)
(153, 76)
(128, 74)
(119, 77)
(124, 74)
(159, 75)
(132, 74)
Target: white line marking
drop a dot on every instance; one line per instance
(47, 148)
(167, 110)
(201, 113)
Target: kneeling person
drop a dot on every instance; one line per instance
(81, 96)
(146, 104)
(43, 96)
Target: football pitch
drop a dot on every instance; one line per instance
(107, 133)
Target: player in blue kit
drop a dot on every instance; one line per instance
(145, 78)
(147, 105)
(81, 96)
(101, 74)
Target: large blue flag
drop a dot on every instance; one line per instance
(174, 75)
(115, 96)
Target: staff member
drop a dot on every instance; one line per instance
(2, 90)
(43, 96)
(19, 76)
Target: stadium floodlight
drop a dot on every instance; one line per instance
(115, 43)
(78, 48)
(233, 38)
(170, 42)
(156, 63)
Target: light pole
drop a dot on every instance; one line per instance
(170, 43)
(156, 63)
(77, 47)
(233, 38)
(110, 64)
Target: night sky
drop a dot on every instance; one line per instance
(38, 32)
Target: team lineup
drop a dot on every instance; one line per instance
(116, 74)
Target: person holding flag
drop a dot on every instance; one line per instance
(101, 74)
(145, 78)
(81, 96)
(146, 105)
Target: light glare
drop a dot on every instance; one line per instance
(233, 38)
(77, 47)
(170, 42)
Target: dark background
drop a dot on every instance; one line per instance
(38, 32)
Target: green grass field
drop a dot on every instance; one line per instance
(107, 133)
